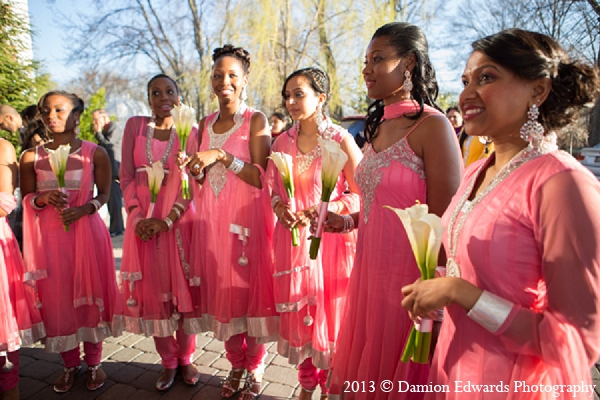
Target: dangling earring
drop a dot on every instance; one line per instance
(486, 141)
(244, 94)
(407, 86)
(77, 128)
(212, 95)
(532, 131)
(153, 119)
(321, 119)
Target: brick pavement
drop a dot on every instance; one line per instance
(132, 366)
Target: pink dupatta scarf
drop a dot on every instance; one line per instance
(405, 107)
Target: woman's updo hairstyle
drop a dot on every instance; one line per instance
(407, 39)
(237, 52)
(317, 79)
(78, 105)
(531, 56)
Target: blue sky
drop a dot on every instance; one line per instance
(49, 42)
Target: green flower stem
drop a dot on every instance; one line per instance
(185, 189)
(296, 237)
(315, 242)
(409, 349)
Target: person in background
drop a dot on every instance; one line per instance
(455, 118)
(309, 294)
(35, 132)
(11, 121)
(20, 319)
(521, 288)
(474, 148)
(66, 246)
(109, 137)
(411, 155)
(279, 122)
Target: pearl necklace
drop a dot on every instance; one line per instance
(150, 136)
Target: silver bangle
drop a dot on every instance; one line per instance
(179, 206)
(274, 200)
(35, 206)
(177, 211)
(348, 223)
(96, 203)
(490, 311)
(236, 165)
(169, 223)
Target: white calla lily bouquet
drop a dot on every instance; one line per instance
(424, 231)
(333, 162)
(156, 174)
(58, 162)
(184, 118)
(285, 165)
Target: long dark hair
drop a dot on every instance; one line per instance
(407, 39)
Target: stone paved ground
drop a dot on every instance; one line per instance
(133, 365)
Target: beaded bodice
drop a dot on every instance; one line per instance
(45, 178)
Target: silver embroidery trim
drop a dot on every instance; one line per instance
(545, 146)
(304, 161)
(264, 328)
(295, 355)
(150, 135)
(295, 306)
(291, 271)
(184, 263)
(59, 344)
(195, 281)
(369, 171)
(152, 327)
(490, 311)
(131, 276)
(35, 275)
(217, 173)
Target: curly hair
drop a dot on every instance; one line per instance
(407, 39)
(75, 100)
(531, 56)
(237, 52)
(317, 79)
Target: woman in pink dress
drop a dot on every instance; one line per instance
(309, 294)
(523, 306)
(231, 256)
(412, 155)
(155, 279)
(66, 245)
(20, 319)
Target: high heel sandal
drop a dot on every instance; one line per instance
(96, 377)
(227, 387)
(251, 388)
(66, 379)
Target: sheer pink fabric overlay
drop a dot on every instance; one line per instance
(533, 240)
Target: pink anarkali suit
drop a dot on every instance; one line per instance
(74, 270)
(375, 326)
(531, 239)
(231, 256)
(301, 283)
(20, 320)
(155, 278)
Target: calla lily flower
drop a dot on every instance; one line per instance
(333, 160)
(58, 162)
(424, 233)
(285, 165)
(156, 174)
(184, 118)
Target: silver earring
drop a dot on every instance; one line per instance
(244, 94)
(212, 95)
(407, 86)
(532, 131)
(153, 117)
(321, 119)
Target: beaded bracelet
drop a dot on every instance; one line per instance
(236, 165)
(348, 223)
(96, 203)
(35, 206)
(169, 223)
(274, 200)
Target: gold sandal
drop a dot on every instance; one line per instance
(251, 388)
(96, 377)
(227, 388)
(66, 379)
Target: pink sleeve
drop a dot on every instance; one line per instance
(128, 164)
(565, 332)
(272, 177)
(350, 200)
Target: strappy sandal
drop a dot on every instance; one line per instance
(306, 394)
(251, 388)
(95, 378)
(66, 379)
(190, 374)
(228, 389)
